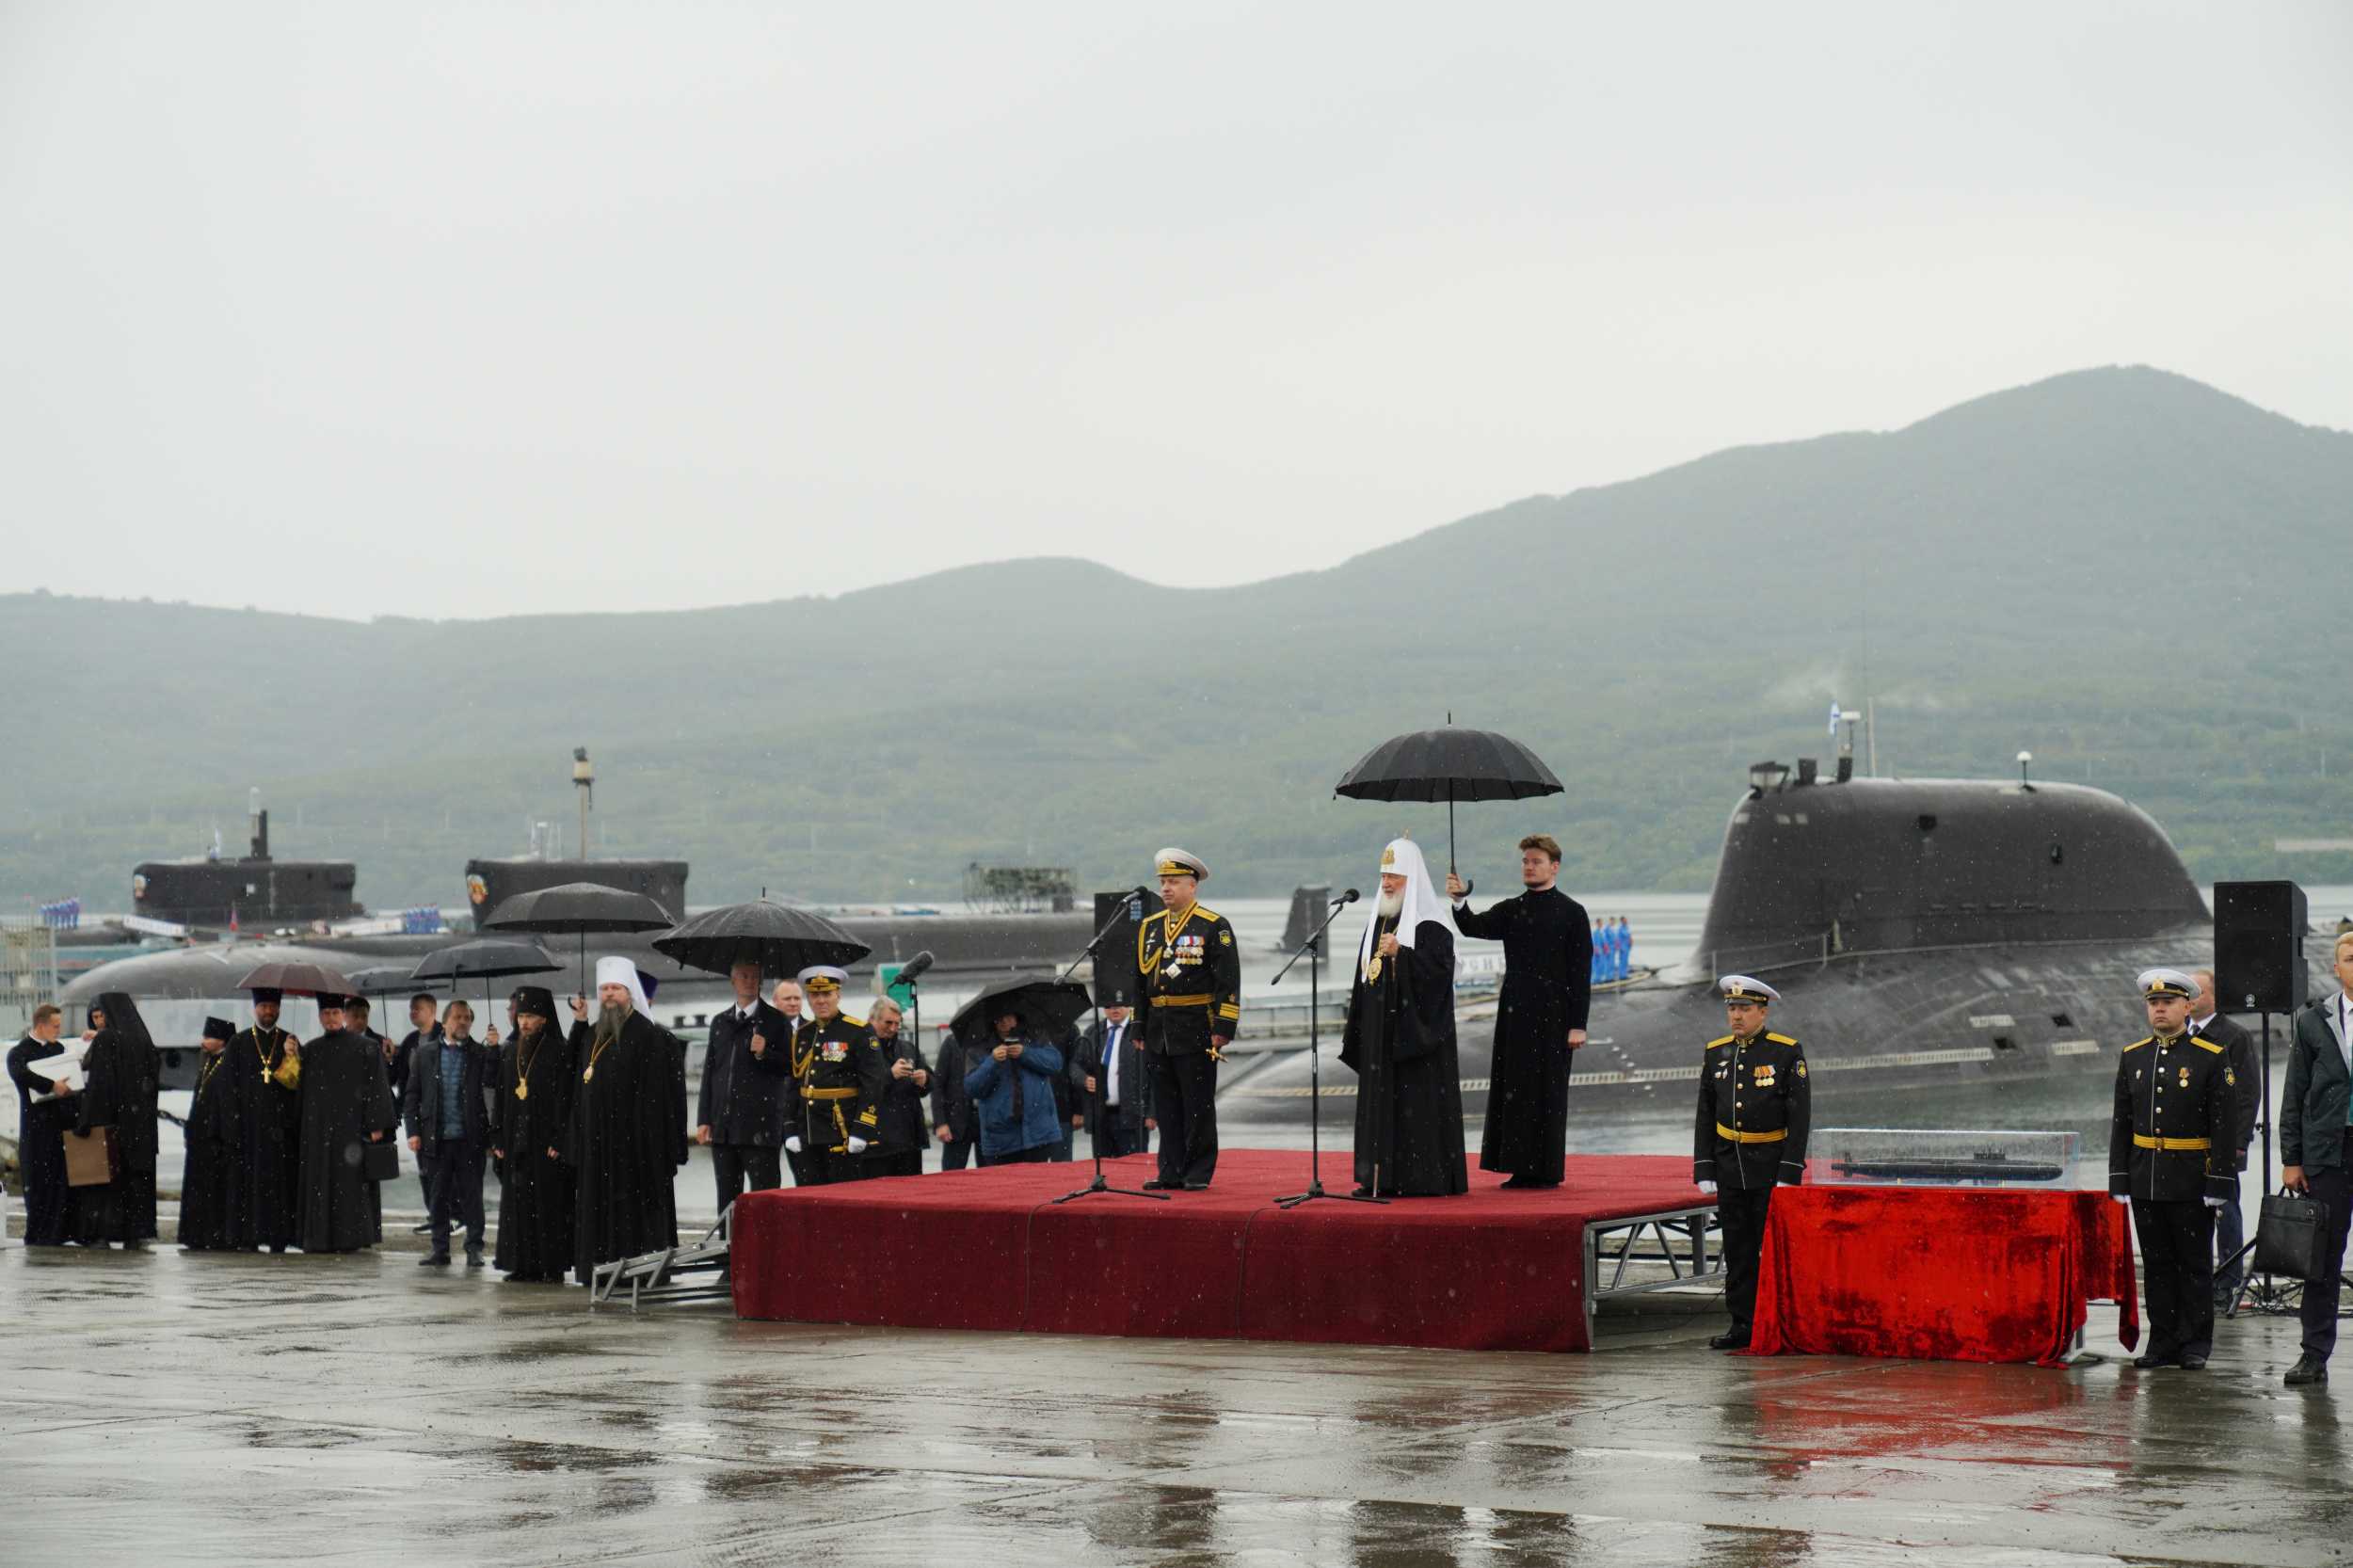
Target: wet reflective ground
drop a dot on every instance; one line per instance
(169, 1409)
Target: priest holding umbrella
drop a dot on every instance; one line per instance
(1540, 1020)
(1399, 1039)
(626, 1137)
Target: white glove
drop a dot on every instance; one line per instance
(857, 1145)
(2124, 1198)
(794, 1144)
(1707, 1187)
(2217, 1203)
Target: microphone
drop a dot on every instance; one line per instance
(912, 971)
(1348, 897)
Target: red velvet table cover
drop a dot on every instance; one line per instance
(1940, 1273)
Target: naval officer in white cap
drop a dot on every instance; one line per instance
(1755, 1107)
(2173, 1157)
(1189, 987)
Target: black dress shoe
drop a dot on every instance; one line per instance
(434, 1260)
(1364, 1192)
(1157, 1185)
(2150, 1362)
(2309, 1370)
(474, 1258)
(1732, 1340)
(1197, 1186)
(2192, 1364)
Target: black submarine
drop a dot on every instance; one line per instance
(1924, 933)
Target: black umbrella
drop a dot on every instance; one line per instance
(303, 980)
(579, 908)
(486, 958)
(1041, 1000)
(782, 940)
(1449, 764)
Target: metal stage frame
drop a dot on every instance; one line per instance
(1689, 1242)
(653, 1276)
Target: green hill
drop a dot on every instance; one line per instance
(2127, 572)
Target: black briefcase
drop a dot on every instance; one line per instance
(2291, 1238)
(380, 1161)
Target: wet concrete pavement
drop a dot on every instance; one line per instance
(167, 1408)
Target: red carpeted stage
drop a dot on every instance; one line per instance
(990, 1250)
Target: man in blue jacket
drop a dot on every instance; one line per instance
(447, 1107)
(2315, 1140)
(1013, 1093)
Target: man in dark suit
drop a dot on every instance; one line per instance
(446, 1107)
(2229, 1225)
(954, 1122)
(2314, 1107)
(740, 1115)
(1113, 1085)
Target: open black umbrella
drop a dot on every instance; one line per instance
(301, 980)
(782, 940)
(1449, 764)
(485, 959)
(1041, 1000)
(578, 908)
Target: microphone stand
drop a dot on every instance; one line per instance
(1094, 1107)
(1312, 950)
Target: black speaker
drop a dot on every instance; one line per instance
(1116, 960)
(2259, 946)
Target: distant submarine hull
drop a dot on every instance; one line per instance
(1925, 936)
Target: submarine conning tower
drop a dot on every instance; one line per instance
(1813, 870)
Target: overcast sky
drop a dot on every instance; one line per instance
(457, 310)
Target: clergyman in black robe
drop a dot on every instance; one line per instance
(1399, 1040)
(346, 1104)
(626, 1137)
(534, 1107)
(44, 1114)
(1540, 1020)
(208, 1177)
(120, 1096)
(260, 1085)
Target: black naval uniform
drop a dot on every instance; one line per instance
(2171, 1147)
(1755, 1107)
(1189, 987)
(839, 1077)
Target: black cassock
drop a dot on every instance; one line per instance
(41, 1145)
(208, 1177)
(120, 1096)
(625, 1141)
(535, 1222)
(1547, 987)
(345, 1096)
(263, 1119)
(1399, 1039)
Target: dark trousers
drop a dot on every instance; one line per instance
(957, 1152)
(826, 1167)
(452, 1171)
(1111, 1141)
(1184, 1092)
(897, 1163)
(739, 1168)
(1041, 1154)
(2333, 1187)
(2177, 1274)
(1064, 1149)
(1741, 1212)
(2230, 1235)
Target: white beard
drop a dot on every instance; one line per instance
(1392, 905)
